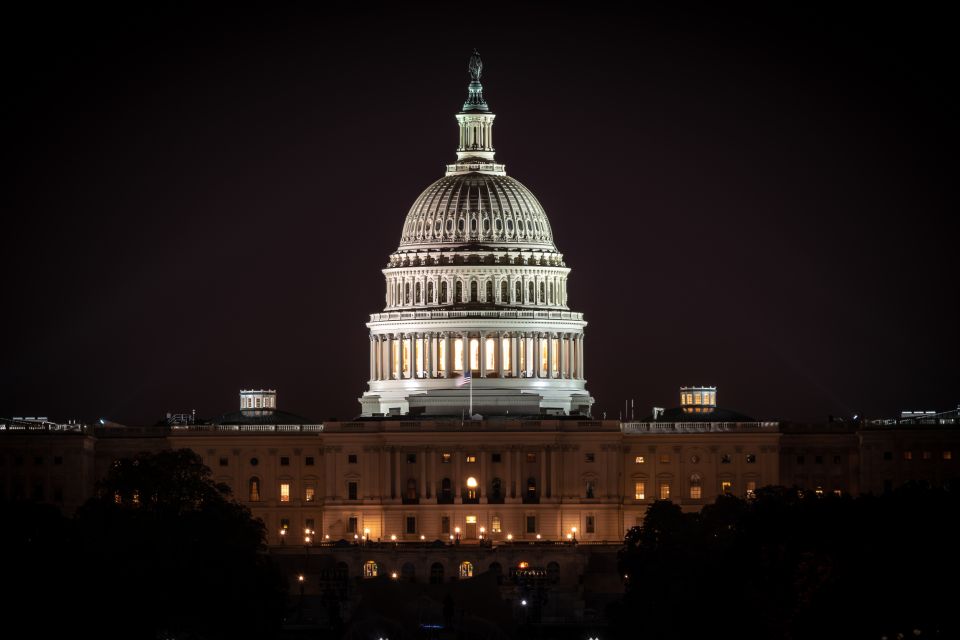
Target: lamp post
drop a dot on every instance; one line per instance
(283, 536)
(456, 531)
(301, 579)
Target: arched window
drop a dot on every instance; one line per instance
(542, 297)
(459, 291)
(696, 486)
(411, 489)
(504, 292)
(419, 293)
(436, 573)
(473, 291)
(551, 294)
(443, 292)
(406, 297)
(408, 572)
(519, 292)
(370, 569)
(553, 572)
(466, 569)
(430, 293)
(496, 526)
(530, 294)
(254, 489)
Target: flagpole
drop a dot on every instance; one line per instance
(471, 395)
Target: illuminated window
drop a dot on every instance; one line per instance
(284, 492)
(948, 455)
(638, 460)
(819, 491)
(458, 354)
(639, 491)
(491, 354)
(751, 458)
(466, 570)
(406, 358)
(543, 358)
(751, 489)
(726, 487)
(506, 355)
(370, 569)
(446, 457)
(441, 355)
(664, 458)
(284, 523)
(308, 494)
(471, 458)
(664, 490)
(531, 457)
(837, 492)
(696, 486)
(555, 354)
(474, 354)
(254, 492)
(908, 455)
(697, 399)
(495, 525)
(421, 370)
(396, 359)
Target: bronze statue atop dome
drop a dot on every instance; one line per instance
(476, 66)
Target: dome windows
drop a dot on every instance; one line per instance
(460, 225)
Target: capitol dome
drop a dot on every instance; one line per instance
(477, 208)
(476, 317)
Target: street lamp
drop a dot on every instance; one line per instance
(456, 530)
(283, 536)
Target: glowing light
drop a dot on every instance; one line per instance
(538, 536)
(423, 537)
(523, 564)
(393, 574)
(456, 530)
(472, 483)
(523, 602)
(300, 578)
(569, 536)
(509, 536)
(573, 529)
(393, 537)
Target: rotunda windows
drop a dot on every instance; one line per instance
(486, 225)
(509, 225)
(437, 227)
(460, 225)
(449, 226)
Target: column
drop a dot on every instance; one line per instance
(373, 358)
(554, 493)
(537, 351)
(550, 355)
(431, 492)
(447, 356)
(458, 496)
(564, 361)
(574, 351)
(428, 354)
(519, 476)
(389, 358)
(329, 465)
(508, 490)
(384, 473)
(580, 357)
(514, 356)
(482, 480)
(542, 484)
(483, 355)
(423, 473)
(397, 486)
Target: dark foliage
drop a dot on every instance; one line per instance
(160, 553)
(793, 565)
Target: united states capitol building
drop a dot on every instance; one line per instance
(474, 449)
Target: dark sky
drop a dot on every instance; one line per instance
(202, 200)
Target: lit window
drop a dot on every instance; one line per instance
(136, 497)
(474, 354)
(697, 399)
(507, 362)
(726, 487)
(495, 524)
(908, 455)
(664, 490)
(491, 354)
(445, 458)
(458, 354)
(948, 455)
(751, 489)
(664, 458)
(837, 492)
(696, 486)
(442, 351)
(254, 490)
(284, 492)
(638, 460)
(639, 491)
(531, 457)
(819, 491)
(309, 494)
(471, 458)
(751, 458)
(370, 569)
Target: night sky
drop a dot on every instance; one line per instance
(199, 202)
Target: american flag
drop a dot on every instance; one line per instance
(466, 378)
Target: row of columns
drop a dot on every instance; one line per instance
(524, 355)
(398, 296)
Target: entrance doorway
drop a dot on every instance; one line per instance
(471, 527)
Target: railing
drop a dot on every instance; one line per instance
(247, 428)
(447, 315)
(42, 427)
(697, 427)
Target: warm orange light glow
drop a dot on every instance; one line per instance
(472, 483)
(523, 564)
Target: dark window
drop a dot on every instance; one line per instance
(411, 458)
(836, 459)
(801, 459)
(58, 494)
(726, 459)
(38, 460)
(489, 288)
(531, 524)
(495, 457)
(888, 455)
(254, 462)
(751, 458)
(284, 461)
(887, 485)
(531, 457)
(57, 459)
(436, 573)
(308, 461)
(818, 459)
(445, 524)
(351, 458)
(351, 491)
(352, 524)
(223, 462)
(590, 457)
(473, 291)
(310, 523)
(411, 524)
(284, 523)
(591, 524)
(18, 460)
(38, 492)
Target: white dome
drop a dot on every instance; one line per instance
(477, 208)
